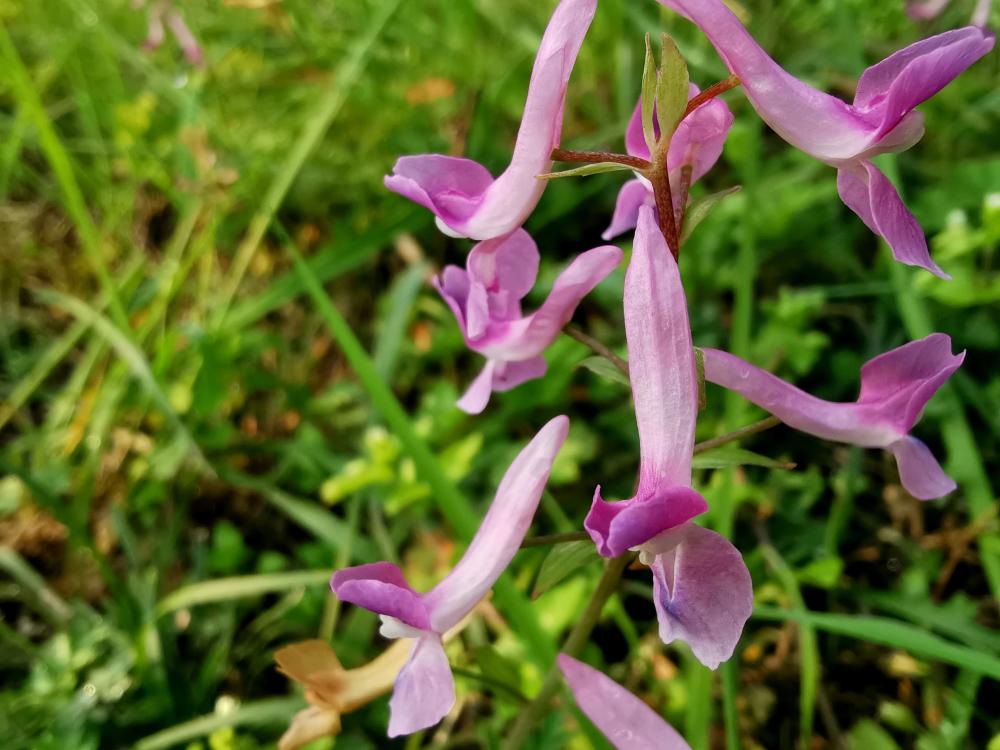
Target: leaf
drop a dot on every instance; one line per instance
(726, 456)
(823, 573)
(587, 169)
(276, 712)
(700, 208)
(497, 667)
(649, 81)
(672, 90)
(867, 735)
(602, 368)
(238, 587)
(562, 561)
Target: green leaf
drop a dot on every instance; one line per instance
(587, 169)
(726, 457)
(238, 587)
(562, 561)
(867, 735)
(649, 81)
(672, 89)
(823, 573)
(497, 667)
(700, 208)
(602, 368)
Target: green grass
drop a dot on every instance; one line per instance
(214, 318)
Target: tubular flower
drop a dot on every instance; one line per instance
(486, 300)
(462, 194)
(696, 143)
(846, 136)
(895, 387)
(424, 691)
(701, 587)
(627, 722)
(928, 9)
(163, 12)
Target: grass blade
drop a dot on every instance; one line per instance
(271, 712)
(238, 587)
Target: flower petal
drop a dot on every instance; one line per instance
(466, 199)
(501, 532)
(308, 725)
(509, 263)
(661, 360)
(926, 9)
(627, 722)
(381, 588)
(618, 527)
(424, 691)
(530, 336)
(508, 375)
(870, 194)
(893, 87)
(703, 594)
(919, 472)
(477, 395)
(700, 137)
(812, 121)
(634, 195)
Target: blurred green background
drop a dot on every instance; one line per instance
(180, 474)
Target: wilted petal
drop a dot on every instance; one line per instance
(634, 195)
(310, 724)
(893, 87)
(501, 532)
(618, 527)
(627, 722)
(381, 588)
(919, 472)
(477, 395)
(702, 592)
(469, 202)
(870, 194)
(424, 691)
(530, 336)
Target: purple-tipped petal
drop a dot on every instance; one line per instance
(919, 472)
(815, 122)
(381, 588)
(627, 722)
(467, 200)
(530, 336)
(424, 691)
(501, 532)
(634, 195)
(509, 375)
(477, 395)
(661, 359)
(703, 594)
(893, 87)
(870, 194)
(618, 527)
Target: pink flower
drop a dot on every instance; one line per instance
(846, 136)
(924, 10)
(697, 143)
(701, 587)
(464, 196)
(424, 690)
(486, 300)
(895, 387)
(163, 11)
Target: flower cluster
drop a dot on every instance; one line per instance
(702, 589)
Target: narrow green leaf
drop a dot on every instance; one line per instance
(587, 169)
(562, 561)
(867, 735)
(602, 368)
(238, 587)
(275, 712)
(672, 89)
(726, 456)
(893, 634)
(649, 78)
(700, 208)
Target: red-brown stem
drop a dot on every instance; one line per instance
(596, 157)
(660, 178)
(711, 92)
(685, 187)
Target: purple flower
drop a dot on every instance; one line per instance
(627, 722)
(846, 136)
(924, 10)
(486, 300)
(464, 196)
(895, 387)
(701, 587)
(163, 11)
(697, 143)
(424, 691)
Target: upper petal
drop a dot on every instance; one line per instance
(381, 588)
(700, 137)
(919, 472)
(501, 532)
(813, 121)
(424, 691)
(662, 366)
(703, 594)
(508, 263)
(627, 722)
(618, 527)
(634, 195)
(451, 187)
